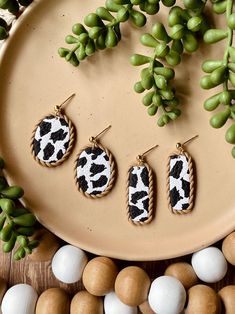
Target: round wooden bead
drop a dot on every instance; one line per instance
(85, 303)
(132, 285)
(145, 308)
(227, 295)
(112, 305)
(53, 301)
(49, 244)
(99, 276)
(209, 264)
(184, 273)
(68, 264)
(202, 299)
(228, 248)
(167, 295)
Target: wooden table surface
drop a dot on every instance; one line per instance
(40, 276)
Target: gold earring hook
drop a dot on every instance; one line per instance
(140, 158)
(93, 138)
(58, 108)
(180, 146)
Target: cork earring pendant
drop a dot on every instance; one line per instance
(140, 193)
(180, 180)
(53, 138)
(95, 169)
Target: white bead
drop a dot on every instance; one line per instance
(112, 305)
(167, 295)
(19, 299)
(68, 264)
(209, 264)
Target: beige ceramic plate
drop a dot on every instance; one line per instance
(34, 78)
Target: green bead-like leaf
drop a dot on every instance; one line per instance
(149, 41)
(160, 33)
(214, 35)
(220, 118)
(104, 14)
(78, 29)
(230, 134)
(147, 100)
(177, 32)
(152, 110)
(137, 18)
(220, 7)
(211, 65)
(212, 103)
(138, 59)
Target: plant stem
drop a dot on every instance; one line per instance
(229, 11)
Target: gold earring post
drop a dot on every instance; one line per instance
(58, 107)
(141, 157)
(93, 138)
(179, 145)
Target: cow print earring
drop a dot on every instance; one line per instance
(140, 198)
(180, 180)
(95, 169)
(53, 138)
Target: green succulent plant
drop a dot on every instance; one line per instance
(102, 28)
(17, 223)
(222, 72)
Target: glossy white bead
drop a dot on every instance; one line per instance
(209, 264)
(68, 264)
(167, 295)
(112, 305)
(19, 299)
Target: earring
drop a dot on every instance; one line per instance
(53, 138)
(140, 199)
(180, 180)
(95, 169)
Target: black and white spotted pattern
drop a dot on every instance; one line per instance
(93, 171)
(51, 139)
(138, 193)
(179, 181)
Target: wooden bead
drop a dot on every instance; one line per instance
(99, 276)
(85, 303)
(3, 288)
(184, 273)
(202, 299)
(145, 308)
(227, 295)
(228, 248)
(132, 285)
(53, 301)
(49, 244)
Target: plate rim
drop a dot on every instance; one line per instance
(90, 248)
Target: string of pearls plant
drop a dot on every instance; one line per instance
(104, 27)
(17, 223)
(186, 27)
(222, 72)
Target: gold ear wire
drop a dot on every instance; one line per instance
(93, 138)
(140, 158)
(179, 145)
(58, 108)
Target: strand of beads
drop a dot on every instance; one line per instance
(130, 290)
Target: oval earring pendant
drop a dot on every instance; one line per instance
(140, 194)
(53, 138)
(95, 170)
(180, 182)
